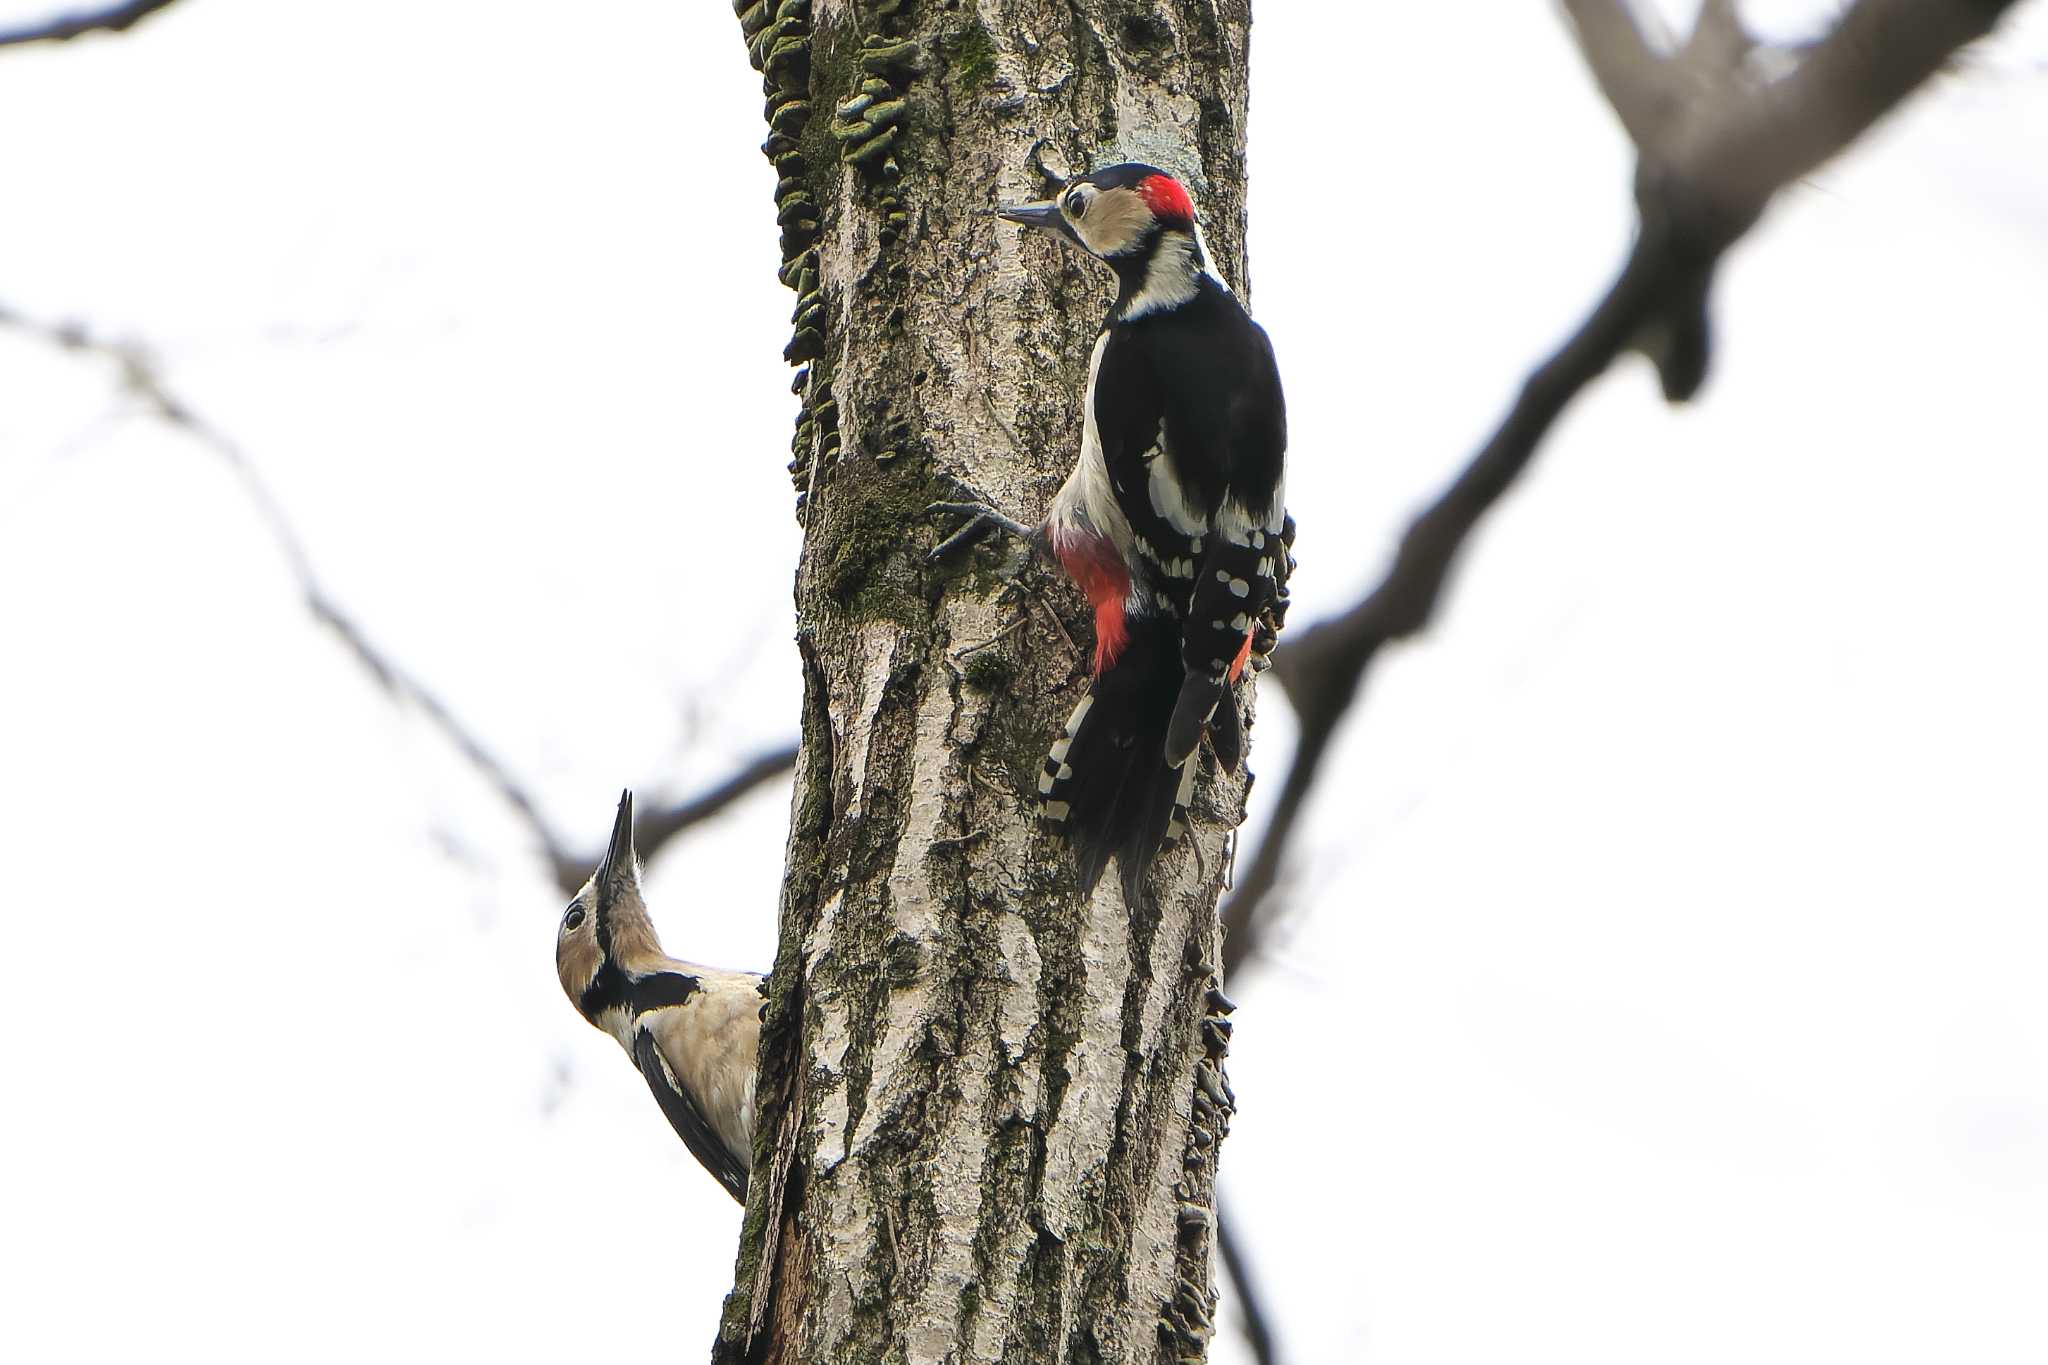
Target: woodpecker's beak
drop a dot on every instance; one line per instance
(1044, 215)
(618, 856)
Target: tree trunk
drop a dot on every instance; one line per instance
(990, 1112)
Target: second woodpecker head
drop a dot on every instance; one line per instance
(605, 934)
(1118, 213)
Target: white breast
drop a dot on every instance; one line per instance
(1086, 503)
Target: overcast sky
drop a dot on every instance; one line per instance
(1664, 972)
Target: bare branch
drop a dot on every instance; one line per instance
(1258, 1329)
(1731, 158)
(140, 377)
(114, 19)
(1622, 62)
(656, 827)
(1880, 52)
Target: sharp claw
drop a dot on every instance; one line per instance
(966, 535)
(981, 520)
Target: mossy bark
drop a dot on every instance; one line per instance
(990, 1111)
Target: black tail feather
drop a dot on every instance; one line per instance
(1107, 783)
(1226, 732)
(1197, 702)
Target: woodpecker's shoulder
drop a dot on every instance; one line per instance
(1202, 376)
(716, 1030)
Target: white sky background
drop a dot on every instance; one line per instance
(1665, 980)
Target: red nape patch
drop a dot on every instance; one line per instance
(1244, 651)
(1099, 572)
(1166, 198)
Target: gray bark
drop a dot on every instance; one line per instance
(990, 1112)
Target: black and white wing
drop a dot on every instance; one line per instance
(686, 1118)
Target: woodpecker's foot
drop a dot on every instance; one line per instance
(982, 519)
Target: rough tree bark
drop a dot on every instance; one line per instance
(991, 1112)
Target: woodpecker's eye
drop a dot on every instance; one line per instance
(574, 919)
(1077, 204)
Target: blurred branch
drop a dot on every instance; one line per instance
(113, 19)
(140, 377)
(1714, 144)
(657, 827)
(1258, 1332)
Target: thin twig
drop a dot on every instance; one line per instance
(140, 376)
(988, 401)
(979, 645)
(114, 19)
(1053, 617)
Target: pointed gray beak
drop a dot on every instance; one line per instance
(1044, 215)
(618, 856)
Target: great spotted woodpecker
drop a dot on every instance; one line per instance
(693, 1031)
(1173, 521)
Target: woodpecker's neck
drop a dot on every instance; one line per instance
(620, 993)
(1163, 278)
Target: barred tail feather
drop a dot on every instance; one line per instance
(1106, 782)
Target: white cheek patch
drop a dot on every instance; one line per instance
(1171, 277)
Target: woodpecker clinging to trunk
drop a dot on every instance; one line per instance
(693, 1031)
(1173, 521)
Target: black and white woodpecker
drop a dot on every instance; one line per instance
(1173, 521)
(693, 1031)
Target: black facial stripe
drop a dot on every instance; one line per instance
(608, 988)
(660, 990)
(612, 987)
